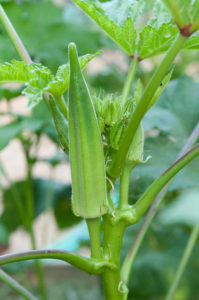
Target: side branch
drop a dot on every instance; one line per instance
(130, 258)
(142, 107)
(146, 199)
(88, 265)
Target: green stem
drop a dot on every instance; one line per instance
(124, 186)
(183, 263)
(174, 9)
(39, 269)
(194, 27)
(94, 228)
(142, 107)
(29, 210)
(30, 214)
(62, 106)
(113, 235)
(16, 286)
(129, 80)
(130, 258)
(146, 199)
(14, 36)
(87, 265)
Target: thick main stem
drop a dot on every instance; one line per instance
(94, 226)
(114, 288)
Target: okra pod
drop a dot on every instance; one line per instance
(86, 150)
(61, 123)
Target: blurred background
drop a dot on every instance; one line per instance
(35, 174)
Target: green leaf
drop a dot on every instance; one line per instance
(12, 130)
(39, 79)
(7, 93)
(3, 236)
(124, 36)
(19, 71)
(119, 11)
(58, 27)
(183, 210)
(47, 195)
(39, 120)
(61, 82)
(176, 112)
(173, 117)
(35, 75)
(193, 42)
(154, 41)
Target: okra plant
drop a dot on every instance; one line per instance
(103, 133)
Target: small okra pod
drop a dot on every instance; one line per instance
(136, 150)
(89, 198)
(61, 123)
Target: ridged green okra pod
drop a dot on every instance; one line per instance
(86, 150)
(61, 123)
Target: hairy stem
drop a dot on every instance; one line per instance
(129, 260)
(183, 263)
(16, 286)
(129, 80)
(146, 199)
(94, 228)
(14, 36)
(142, 107)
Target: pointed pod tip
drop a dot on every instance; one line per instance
(73, 56)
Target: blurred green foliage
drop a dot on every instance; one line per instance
(46, 29)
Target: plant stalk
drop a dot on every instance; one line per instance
(194, 27)
(124, 185)
(114, 288)
(87, 265)
(129, 80)
(129, 260)
(21, 50)
(62, 106)
(39, 269)
(183, 263)
(146, 199)
(142, 107)
(94, 228)
(16, 286)
(174, 9)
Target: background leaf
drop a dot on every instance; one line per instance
(183, 210)
(173, 118)
(47, 195)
